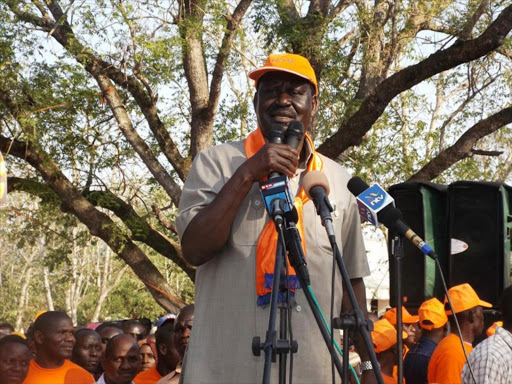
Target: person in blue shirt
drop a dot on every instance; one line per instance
(434, 324)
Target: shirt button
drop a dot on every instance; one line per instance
(257, 203)
(298, 308)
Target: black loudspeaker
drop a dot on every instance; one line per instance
(424, 209)
(479, 229)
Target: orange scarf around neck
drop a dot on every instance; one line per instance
(267, 242)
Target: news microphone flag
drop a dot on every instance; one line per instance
(3, 182)
(371, 201)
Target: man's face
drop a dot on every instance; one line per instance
(14, 361)
(108, 333)
(478, 315)
(414, 332)
(57, 342)
(147, 357)
(283, 97)
(182, 329)
(88, 351)
(136, 330)
(123, 363)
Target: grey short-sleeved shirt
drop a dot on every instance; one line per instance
(226, 315)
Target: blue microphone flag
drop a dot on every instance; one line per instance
(371, 201)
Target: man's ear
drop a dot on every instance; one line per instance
(472, 315)
(254, 100)
(314, 104)
(39, 337)
(162, 349)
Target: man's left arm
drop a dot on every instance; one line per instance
(358, 286)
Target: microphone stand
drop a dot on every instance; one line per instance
(353, 320)
(397, 253)
(297, 260)
(273, 346)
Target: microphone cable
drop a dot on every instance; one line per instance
(336, 345)
(333, 281)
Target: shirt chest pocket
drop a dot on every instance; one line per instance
(249, 220)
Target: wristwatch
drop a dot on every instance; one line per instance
(365, 366)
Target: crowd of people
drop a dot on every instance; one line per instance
(434, 350)
(53, 351)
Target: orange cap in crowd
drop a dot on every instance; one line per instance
(407, 318)
(384, 335)
(464, 297)
(432, 314)
(39, 314)
(19, 334)
(286, 62)
(492, 329)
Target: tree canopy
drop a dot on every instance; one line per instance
(105, 103)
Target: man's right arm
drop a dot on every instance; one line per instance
(210, 228)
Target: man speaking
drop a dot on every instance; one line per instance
(226, 232)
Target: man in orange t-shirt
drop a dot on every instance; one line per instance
(448, 359)
(54, 340)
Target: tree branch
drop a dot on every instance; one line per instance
(64, 35)
(141, 230)
(468, 29)
(463, 147)
(372, 107)
(98, 223)
(215, 86)
(481, 152)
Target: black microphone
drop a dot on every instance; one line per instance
(276, 187)
(390, 216)
(294, 134)
(275, 136)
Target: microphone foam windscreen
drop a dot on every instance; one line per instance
(314, 179)
(356, 185)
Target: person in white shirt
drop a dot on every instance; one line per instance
(121, 360)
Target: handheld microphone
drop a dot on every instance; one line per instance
(376, 205)
(294, 134)
(275, 136)
(276, 187)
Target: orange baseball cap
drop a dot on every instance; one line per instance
(464, 297)
(407, 318)
(433, 311)
(384, 335)
(39, 314)
(492, 329)
(286, 62)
